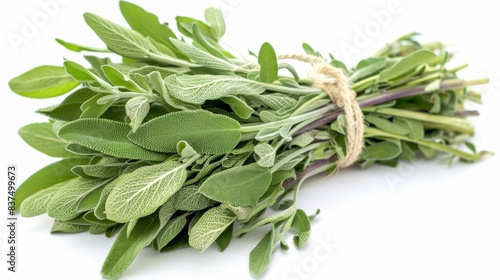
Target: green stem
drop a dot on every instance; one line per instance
(373, 132)
(295, 154)
(454, 123)
(171, 60)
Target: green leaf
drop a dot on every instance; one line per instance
(238, 106)
(79, 48)
(117, 78)
(146, 23)
(406, 64)
(274, 101)
(106, 136)
(302, 225)
(238, 186)
(93, 108)
(64, 205)
(47, 177)
(102, 170)
(225, 238)
(206, 132)
(100, 209)
(69, 109)
(137, 109)
(82, 74)
(38, 203)
(91, 218)
(64, 227)
(42, 137)
(416, 128)
(190, 199)
(215, 20)
(268, 64)
(125, 248)
(265, 154)
(123, 41)
(208, 228)
(200, 88)
(43, 82)
(169, 232)
(141, 192)
(202, 57)
(90, 201)
(384, 150)
(386, 125)
(260, 256)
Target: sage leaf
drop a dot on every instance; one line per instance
(64, 204)
(43, 82)
(200, 88)
(238, 186)
(225, 238)
(302, 225)
(78, 48)
(208, 228)
(206, 132)
(106, 136)
(47, 177)
(137, 109)
(141, 192)
(42, 137)
(268, 64)
(386, 125)
(238, 106)
(190, 199)
(169, 232)
(265, 154)
(125, 248)
(118, 79)
(260, 256)
(64, 227)
(406, 64)
(119, 39)
(202, 57)
(69, 109)
(384, 150)
(38, 203)
(215, 20)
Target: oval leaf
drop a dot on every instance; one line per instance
(41, 137)
(206, 132)
(106, 136)
(238, 186)
(43, 82)
(141, 192)
(211, 224)
(268, 63)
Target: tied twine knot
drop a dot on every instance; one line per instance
(334, 83)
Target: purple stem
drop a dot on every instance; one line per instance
(382, 98)
(317, 164)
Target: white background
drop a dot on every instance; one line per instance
(426, 220)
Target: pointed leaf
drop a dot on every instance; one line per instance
(43, 82)
(260, 257)
(208, 228)
(42, 137)
(137, 109)
(141, 192)
(238, 186)
(215, 20)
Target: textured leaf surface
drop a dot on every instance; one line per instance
(106, 136)
(38, 203)
(209, 227)
(197, 89)
(206, 132)
(202, 57)
(260, 256)
(238, 186)
(141, 192)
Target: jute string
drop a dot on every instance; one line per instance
(334, 83)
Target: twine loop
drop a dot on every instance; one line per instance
(334, 83)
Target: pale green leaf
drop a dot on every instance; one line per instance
(238, 106)
(208, 228)
(190, 199)
(167, 233)
(265, 154)
(202, 57)
(79, 48)
(64, 227)
(42, 137)
(43, 82)
(406, 64)
(64, 204)
(302, 225)
(47, 177)
(215, 20)
(118, 79)
(141, 192)
(137, 109)
(199, 88)
(38, 203)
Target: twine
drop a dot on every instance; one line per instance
(334, 83)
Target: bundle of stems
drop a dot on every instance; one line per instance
(181, 143)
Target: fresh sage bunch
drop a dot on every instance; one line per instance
(182, 143)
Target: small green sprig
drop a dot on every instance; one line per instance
(184, 144)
